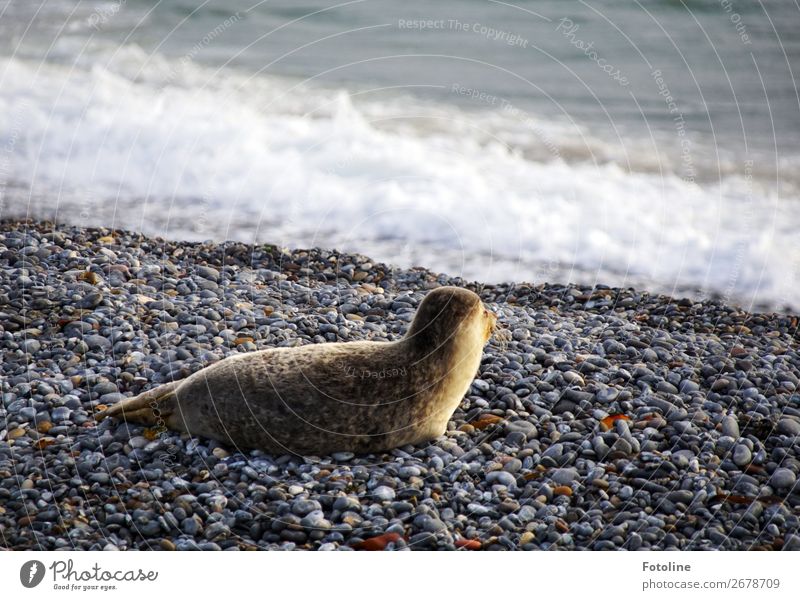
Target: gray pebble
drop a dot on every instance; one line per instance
(730, 426)
(742, 455)
(789, 427)
(783, 479)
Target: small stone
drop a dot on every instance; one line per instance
(16, 433)
(501, 478)
(684, 496)
(220, 453)
(384, 493)
(783, 478)
(90, 300)
(527, 514)
(741, 455)
(190, 526)
(216, 530)
(573, 378)
(789, 427)
(720, 384)
(564, 476)
(30, 346)
(60, 414)
(138, 441)
(608, 394)
(526, 538)
(167, 545)
(97, 342)
(730, 426)
(343, 503)
(524, 427)
(302, 506)
(434, 525)
(208, 273)
(667, 387)
(481, 386)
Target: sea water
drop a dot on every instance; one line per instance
(646, 143)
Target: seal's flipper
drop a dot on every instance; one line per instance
(148, 408)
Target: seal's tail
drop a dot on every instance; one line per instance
(148, 408)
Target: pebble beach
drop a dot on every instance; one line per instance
(601, 418)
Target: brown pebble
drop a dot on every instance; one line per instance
(486, 420)
(90, 277)
(220, 453)
(167, 545)
(526, 538)
(468, 544)
(16, 433)
(562, 490)
(378, 542)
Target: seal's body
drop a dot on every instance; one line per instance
(324, 398)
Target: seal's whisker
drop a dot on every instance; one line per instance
(502, 335)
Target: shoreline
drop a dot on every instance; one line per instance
(449, 260)
(601, 418)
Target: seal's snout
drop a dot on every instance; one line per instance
(491, 322)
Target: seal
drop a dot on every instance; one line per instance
(360, 397)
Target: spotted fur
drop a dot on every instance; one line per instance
(323, 398)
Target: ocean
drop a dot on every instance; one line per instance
(637, 143)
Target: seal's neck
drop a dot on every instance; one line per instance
(451, 362)
(425, 350)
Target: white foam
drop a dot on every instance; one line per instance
(173, 149)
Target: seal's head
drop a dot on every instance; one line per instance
(451, 315)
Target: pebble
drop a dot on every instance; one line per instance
(525, 427)
(789, 427)
(384, 493)
(502, 478)
(30, 346)
(607, 394)
(741, 455)
(730, 426)
(783, 479)
(684, 496)
(564, 476)
(304, 506)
